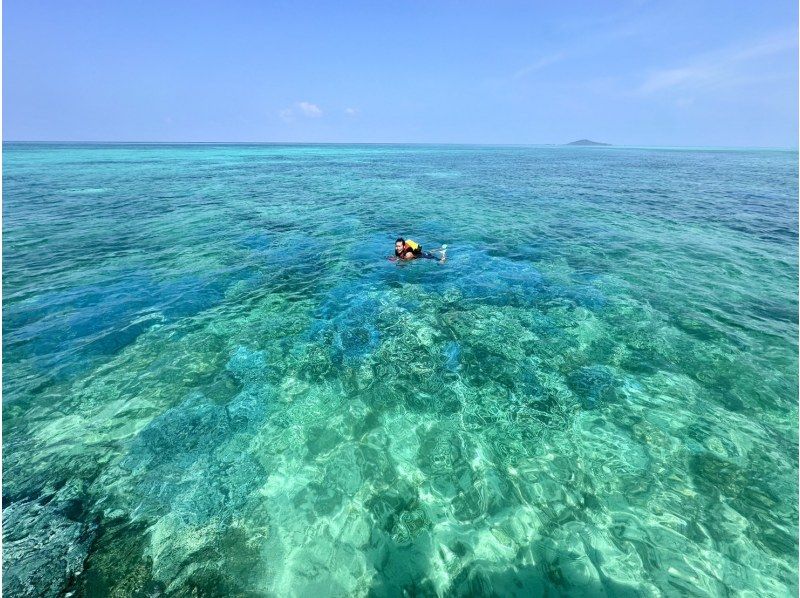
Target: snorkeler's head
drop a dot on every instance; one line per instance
(399, 244)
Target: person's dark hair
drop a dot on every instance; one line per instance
(400, 240)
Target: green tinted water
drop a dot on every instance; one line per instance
(214, 381)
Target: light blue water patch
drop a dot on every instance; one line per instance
(452, 354)
(89, 191)
(258, 242)
(64, 332)
(479, 276)
(347, 324)
(582, 296)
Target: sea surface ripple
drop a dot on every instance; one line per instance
(215, 383)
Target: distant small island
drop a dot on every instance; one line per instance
(587, 142)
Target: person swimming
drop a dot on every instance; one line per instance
(406, 249)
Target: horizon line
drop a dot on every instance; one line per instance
(433, 143)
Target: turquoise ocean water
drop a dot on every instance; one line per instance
(215, 383)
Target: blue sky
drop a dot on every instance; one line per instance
(631, 73)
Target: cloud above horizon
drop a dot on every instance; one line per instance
(539, 64)
(729, 67)
(307, 109)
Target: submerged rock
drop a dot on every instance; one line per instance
(495, 280)
(581, 295)
(348, 324)
(248, 366)
(594, 385)
(190, 476)
(179, 436)
(44, 548)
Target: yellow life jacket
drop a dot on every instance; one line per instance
(415, 248)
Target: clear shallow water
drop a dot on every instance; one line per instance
(215, 383)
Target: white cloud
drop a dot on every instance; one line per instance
(351, 111)
(306, 109)
(723, 68)
(669, 78)
(541, 63)
(309, 109)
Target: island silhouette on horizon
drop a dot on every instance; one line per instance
(587, 142)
